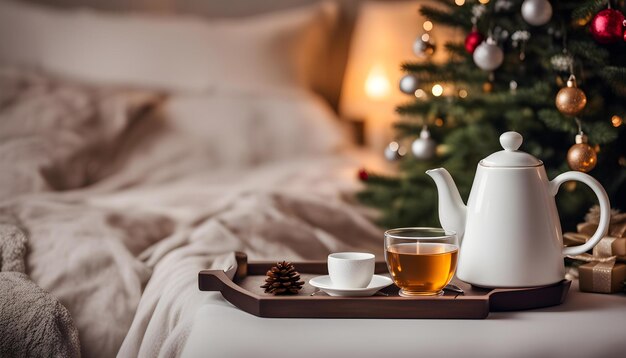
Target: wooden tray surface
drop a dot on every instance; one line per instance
(244, 292)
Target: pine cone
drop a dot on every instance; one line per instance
(282, 279)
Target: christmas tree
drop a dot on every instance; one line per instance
(553, 71)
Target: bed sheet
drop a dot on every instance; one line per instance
(586, 325)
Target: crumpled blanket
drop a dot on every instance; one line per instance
(32, 322)
(60, 135)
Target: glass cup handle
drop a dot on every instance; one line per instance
(605, 208)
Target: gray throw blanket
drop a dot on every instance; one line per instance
(32, 322)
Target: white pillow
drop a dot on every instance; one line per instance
(267, 128)
(276, 50)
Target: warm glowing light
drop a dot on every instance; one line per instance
(437, 90)
(439, 122)
(462, 93)
(622, 161)
(597, 148)
(483, 1)
(570, 186)
(425, 37)
(616, 121)
(394, 146)
(420, 93)
(459, 2)
(427, 25)
(377, 85)
(583, 21)
(402, 151)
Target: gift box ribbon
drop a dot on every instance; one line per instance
(604, 248)
(604, 263)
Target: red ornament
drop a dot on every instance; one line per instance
(607, 26)
(472, 40)
(363, 175)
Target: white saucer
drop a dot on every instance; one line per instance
(325, 284)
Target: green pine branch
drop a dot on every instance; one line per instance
(446, 17)
(588, 9)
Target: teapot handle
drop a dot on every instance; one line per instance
(605, 206)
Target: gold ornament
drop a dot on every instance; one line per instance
(487, 87)
(571, 100)
(581, 156)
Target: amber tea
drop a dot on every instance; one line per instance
(421, 268)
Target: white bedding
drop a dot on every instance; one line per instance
(122, 253)
(110, 254)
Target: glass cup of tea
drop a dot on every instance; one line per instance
(421, 260)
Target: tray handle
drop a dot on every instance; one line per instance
(212, 280)
(242, 266)
(215, 280)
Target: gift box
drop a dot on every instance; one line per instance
(610, 246)
(615, 230)
(604, 270)
(607, 247)
(617, 225)
(602, 277)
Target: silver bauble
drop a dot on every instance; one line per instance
(393, 151)
(536, 12)
(424, 147)
(409, 84)
(488, 56)
(423, 46)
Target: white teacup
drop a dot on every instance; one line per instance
(351, 269)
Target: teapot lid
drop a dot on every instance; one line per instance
(511, 156)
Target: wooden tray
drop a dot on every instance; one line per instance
(245, 293)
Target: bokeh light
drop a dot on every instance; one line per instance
(616, 121)
(437, 90)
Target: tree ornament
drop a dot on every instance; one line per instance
(409, 84)
(607, 27)
(519, 39)
(536, 12)
(478, 10)
(488, 56)
(473, 39)
(282, 279)
(363, 174)
(487, 87)
(503, 5)
(423, 148)
(424, 46)
(581, 156)
(394, 151)
(562, 62)
(571, 100)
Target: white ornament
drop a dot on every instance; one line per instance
(520, 36)
(536, 12)
(488, 56)
(394, 152)
(423, 46)
(503, 5)
(408, 84)
(478, 11)
(562, 62)
(424, 147)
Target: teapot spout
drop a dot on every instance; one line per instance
(452, 211)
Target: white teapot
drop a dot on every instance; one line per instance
(510, 231)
